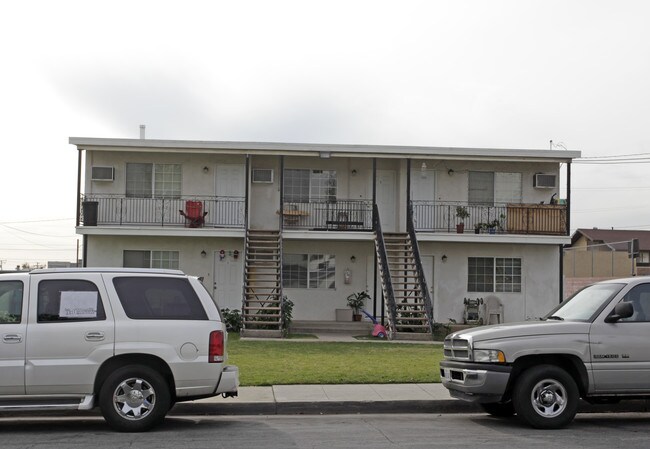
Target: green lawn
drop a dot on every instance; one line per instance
(299, 362)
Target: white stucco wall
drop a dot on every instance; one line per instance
(196, 181)
(540, 279)
(320, 304)
(107, 251)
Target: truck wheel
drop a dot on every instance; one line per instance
(134, 398)
(546, 397)
(499, 409)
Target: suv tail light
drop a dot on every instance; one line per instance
(216, 347)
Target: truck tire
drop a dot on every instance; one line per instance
(546, 397)
(499, 409)
(134, 398)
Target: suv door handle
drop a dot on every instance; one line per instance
(12, 338)
(94, 336)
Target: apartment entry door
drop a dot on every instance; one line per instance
(230, 189)
(423, 193)
(228, 280)
(387, 199)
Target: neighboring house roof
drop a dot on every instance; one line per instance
(323, 150)
(613, 237)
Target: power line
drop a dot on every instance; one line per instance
(616, 156)
(36, 221)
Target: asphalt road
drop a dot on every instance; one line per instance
(628, 430)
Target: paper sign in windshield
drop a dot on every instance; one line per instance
(78, 305)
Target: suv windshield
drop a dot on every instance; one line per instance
(584, 305)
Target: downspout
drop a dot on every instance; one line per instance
(281, 214)
(568, 226)
(568, 198)
(408, 186)
(79, 186)
(561, 273)
(85, 236)
(374, 252)
(247, 193)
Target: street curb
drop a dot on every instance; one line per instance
(326, 408)
(451, 406)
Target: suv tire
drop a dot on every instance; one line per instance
(546, 397)
(134, 398)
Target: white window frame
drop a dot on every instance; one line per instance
(166, 181)
(316, 276)
(321, 185)
(505, 275)
(163, 259)
(507, 187)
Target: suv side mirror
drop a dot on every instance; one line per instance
(621, 310)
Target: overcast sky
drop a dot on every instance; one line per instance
(498, 74)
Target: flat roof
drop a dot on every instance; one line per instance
(318, 149)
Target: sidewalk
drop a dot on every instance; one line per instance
(356, 399)
(331, 399)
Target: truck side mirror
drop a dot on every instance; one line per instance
(621, 310)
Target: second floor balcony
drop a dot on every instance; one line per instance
(339, 215)
(191, 211)
(508, 218)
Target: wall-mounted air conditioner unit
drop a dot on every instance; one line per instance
(544, 181)
(102, 173)
(263, 175)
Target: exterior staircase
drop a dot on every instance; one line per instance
(262, 298)
(406, 300)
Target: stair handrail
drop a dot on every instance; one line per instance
(243, 287)
(426, 297)
(280, 290)
(383, 261)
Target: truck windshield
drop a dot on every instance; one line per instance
(585, 304)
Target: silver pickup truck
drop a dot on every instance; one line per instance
(594, 346)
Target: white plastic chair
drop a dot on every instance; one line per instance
(493, 310)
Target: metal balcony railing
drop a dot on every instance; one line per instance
(339, 215)
(508, 218)
(118, 210)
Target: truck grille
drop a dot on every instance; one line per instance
(457, 348)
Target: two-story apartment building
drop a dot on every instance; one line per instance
(316, 223)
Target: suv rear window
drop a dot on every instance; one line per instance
(11, 302)
(158, 298)
(65, 300)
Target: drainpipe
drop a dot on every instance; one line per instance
(568, 198)
(408, 189)
(281, 219)
(374, 285)
(561, 272)
(247, 192)
(79, 185)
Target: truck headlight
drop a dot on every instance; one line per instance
(489, 355)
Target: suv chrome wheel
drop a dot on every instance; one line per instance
(134, 398)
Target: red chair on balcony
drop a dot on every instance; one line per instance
(193, 213)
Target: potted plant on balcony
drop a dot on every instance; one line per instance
(496, 224)
(462, 214)
(356, 301)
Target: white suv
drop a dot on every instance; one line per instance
(132, 341)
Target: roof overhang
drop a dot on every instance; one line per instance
(322, 150)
